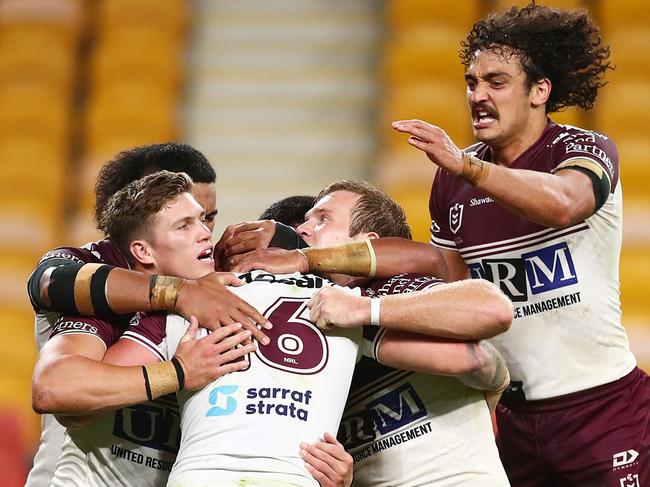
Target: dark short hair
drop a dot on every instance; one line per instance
(290, 211)
(128, 213)
(375, 211)
(133, 164)
(564, 46)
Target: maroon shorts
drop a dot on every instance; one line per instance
(597, 437)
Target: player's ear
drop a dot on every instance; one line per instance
(540, 92)
(365, 235)
(142, 252)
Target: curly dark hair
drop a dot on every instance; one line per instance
(137, 162)
(564, 46)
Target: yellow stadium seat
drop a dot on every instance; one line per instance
(405, 14)
(429, 53)
(629, 48)
(620, 108)
(635, 266)
(623, 14)
(169, 15)
(437, 103)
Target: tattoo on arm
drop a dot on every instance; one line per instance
(492, 372)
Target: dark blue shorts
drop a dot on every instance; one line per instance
(596, 437)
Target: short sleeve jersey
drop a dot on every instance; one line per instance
(105, 252)
(411, 429)
(246, 427)
(566, 334)
(132, 446)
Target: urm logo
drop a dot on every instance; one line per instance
(222, 403)
(540, 271)
(151, 425)
(387, 413)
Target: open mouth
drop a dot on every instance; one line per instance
(206, 255)
(482, 117)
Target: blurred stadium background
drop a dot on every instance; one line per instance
(283, 96)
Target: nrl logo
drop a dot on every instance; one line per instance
(455, 217)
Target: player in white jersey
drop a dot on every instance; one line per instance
(535, 207)
(307, 399)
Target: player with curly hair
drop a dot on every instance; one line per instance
(535, 207)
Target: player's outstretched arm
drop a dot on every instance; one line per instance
(554, 200)
(101, 290)
(381, 257)
(465, 310)
(328, 462)
(70, 379)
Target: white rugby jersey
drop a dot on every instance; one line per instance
(566, 335)
(132, 447)
(410, 429)
(246, 427)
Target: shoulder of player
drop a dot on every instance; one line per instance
(101, 251)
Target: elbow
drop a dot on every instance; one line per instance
(562, 214)
(502, 315)
(43, 402)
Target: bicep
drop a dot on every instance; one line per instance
(578, 190)
(128, 352)
(81, 344)
(429, 355)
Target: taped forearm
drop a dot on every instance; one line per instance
(354, 258)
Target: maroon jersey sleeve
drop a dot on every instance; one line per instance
(402, 283)
(149, 331)
(107, 332)
(439, 209)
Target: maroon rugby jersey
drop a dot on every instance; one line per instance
(566, 335)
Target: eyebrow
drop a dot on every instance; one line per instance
(314, 211)
(487, 77)
(212, 214)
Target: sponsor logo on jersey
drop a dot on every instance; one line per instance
(72, 325)
(381, 416)
(630, 481)
(480, 201)
(223, 404)
(541, 271)
(278, 401)
(624, 459)
(308, 282)
(456, 217)
(155, 425)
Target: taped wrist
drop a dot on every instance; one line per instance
(474, 169)
(80, 289)
(163, 378)
(164, 292)
(354, 258)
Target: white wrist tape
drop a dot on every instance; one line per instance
(374, 311)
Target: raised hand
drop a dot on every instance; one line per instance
(334, 307)
(215, 306)
(434, 142)
(244, 237)
(208, 358)
(328, 462)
